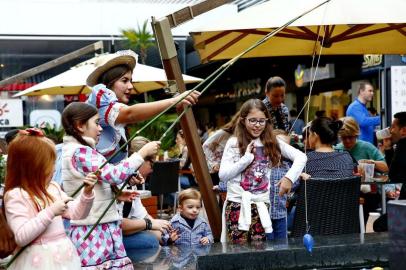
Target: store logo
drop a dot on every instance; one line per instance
(3, 111)
(299, 74)
(372, 60)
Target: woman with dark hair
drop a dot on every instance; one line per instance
(111, 84)
(324, 161)
(275, 96)
(104, 248)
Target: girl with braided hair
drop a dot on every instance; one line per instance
(104, 248)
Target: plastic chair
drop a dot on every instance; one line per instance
(164, 179)
(332, 207)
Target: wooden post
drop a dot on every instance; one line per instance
(53, 63)
(171, 65)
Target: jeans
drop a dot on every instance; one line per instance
(280, 230)
(140, 240)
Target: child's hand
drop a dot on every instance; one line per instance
(174, 235)
(204, 240)
(136, 179)
(150, 149)
(127, 195)
(305, 176)
(250, 147)
(60, 206)
(89, 181)
(285, 186)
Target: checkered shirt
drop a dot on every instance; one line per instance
(188, 235)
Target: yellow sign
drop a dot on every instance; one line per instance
(372, 60)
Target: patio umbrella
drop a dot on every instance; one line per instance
(73, 82)
(351, 27)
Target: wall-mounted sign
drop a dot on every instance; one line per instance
(398, 89)
(305, 75)
(242, 89)
(11, 113)
(40, 118)
(372, 60)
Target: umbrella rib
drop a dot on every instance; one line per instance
(372, 32)
(229, 44)
(214, 38)
(351, 30)
(306, 30)
(290, 33)
(399, 30)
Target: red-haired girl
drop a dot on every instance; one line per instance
(35, 205)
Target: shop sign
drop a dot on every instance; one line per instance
(305, 75)
(40, 118)
(242, 89)
(372, 61)
(11, 113)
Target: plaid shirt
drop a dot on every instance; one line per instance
(278, 203)
(188, 235)
(279, 115)
(86, 160)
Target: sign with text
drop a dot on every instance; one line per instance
(398, 83)
(40, 118)
(305, 75)
(11, 113)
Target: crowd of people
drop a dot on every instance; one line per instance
(252, 158)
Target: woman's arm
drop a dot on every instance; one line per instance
(131, 226)
(144, 111)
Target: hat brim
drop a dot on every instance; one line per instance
(93, 78)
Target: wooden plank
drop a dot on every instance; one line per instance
(188, 13)
(53, 63)
(173, 72)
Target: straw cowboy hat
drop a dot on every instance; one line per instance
(108, 61)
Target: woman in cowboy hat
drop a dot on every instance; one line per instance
(111, 87)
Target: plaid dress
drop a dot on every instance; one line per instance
(104, 249)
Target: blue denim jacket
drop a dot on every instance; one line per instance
(188, 235)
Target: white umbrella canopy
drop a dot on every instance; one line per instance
(352, 27)
(73, 82)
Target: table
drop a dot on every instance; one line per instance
(380, 180)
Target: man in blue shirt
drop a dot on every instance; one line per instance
(359, 112)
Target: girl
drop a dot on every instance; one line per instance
(111, 88)
(213, 147)
(104, 248)
(35, 205)
(245, 166)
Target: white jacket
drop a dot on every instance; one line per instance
(231, 169)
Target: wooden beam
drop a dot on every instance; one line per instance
(53, 63)
(173, 72)
(188, 13)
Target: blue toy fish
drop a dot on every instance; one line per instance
(308, 242)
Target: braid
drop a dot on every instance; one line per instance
(77, 113)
